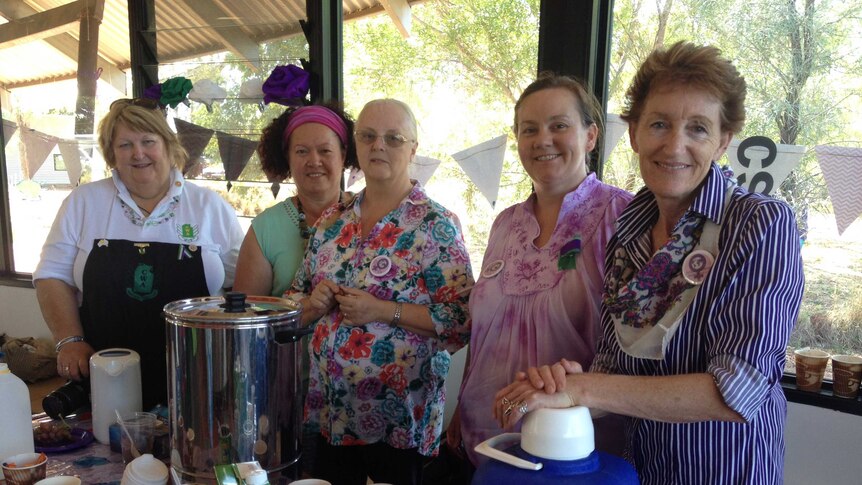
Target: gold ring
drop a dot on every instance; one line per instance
(509, 409)
(505, 402)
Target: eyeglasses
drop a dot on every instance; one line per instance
(392, 140)
(147, 103)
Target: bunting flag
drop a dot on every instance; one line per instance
(8, 130)
(72, 159)
(842, 170)
(37, 146)
(614, 129)
(194, 139)
(483, 164)
(760, 164)
(235, 153)
(355, 175)
(423, 168)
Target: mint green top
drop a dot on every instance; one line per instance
(280, 240)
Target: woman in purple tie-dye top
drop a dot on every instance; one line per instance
(538, 294)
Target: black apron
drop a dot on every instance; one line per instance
(126, 285)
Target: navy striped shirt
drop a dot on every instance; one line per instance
(736, 329)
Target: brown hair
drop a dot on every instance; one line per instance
(689, 64)
(273, 152)
(142, 118)
(587, 105)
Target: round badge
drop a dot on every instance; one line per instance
(493, 268)
(696, 266)
(380, 265)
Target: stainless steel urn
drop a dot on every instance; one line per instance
(234, 383)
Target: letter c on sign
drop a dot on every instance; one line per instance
(761, 177)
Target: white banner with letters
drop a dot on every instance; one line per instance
(761, 165)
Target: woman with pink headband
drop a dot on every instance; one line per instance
(312, 145)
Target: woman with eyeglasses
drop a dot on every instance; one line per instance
(537, 297)
(385, 284)
(123, 247)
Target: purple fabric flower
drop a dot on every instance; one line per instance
(153, 92)
(285, 84)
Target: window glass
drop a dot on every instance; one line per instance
(801, 61)
(45, 159)
(461, 71)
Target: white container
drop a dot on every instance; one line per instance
(115, 385)
(16, 418)
(145, 470)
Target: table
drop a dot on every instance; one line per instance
(94, 464)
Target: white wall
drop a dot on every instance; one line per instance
(19, 313)
(822, 445)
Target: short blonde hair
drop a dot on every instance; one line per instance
(142, 119)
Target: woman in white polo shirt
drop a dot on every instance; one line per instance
(123, 247)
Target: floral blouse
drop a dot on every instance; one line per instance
(374, 383)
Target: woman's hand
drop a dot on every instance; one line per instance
(321, 300)
(551, 378)
(453, 433)
(542, 387)
(73, 360)
(360, 307)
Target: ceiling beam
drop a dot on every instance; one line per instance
(399, 12)
(233, 37)
(65, 43)
(43, 24)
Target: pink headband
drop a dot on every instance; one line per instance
(316, 114)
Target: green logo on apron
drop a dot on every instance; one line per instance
(188, 232)
(143, 284)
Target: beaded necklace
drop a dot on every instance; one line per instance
(304, 231)
(301, 223)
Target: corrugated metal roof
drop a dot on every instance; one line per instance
(184, 29)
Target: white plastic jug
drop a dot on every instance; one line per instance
(16, 420)
(115, 384)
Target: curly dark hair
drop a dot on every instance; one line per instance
(272, 152)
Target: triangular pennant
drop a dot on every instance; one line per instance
(354, 176)
(8, 130)
(235, 153)
(194, 139)
(614, 129)
(72, 159)
(423, 168)
(761, 165)
(842, 170)
(37, 146)
(483, 163)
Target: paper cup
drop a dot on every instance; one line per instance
(60, 480)
(846, 374)
(810, 366)
(25, 475)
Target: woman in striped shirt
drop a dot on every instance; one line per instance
(703, 283)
